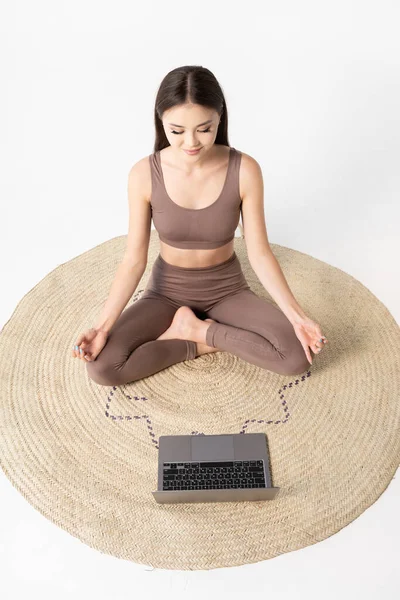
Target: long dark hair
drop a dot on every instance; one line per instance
(193, 84)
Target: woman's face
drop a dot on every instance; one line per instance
(189, 127)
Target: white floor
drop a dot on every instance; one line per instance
(39, 560)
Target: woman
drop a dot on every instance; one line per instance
(197, 300)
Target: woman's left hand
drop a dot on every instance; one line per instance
(309, 333)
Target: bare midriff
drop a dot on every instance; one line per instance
(181, 257)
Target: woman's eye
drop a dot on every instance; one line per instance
(180, 132)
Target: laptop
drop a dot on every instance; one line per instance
(213, 468)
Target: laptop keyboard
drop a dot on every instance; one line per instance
(213, 475)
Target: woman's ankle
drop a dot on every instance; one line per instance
(204, 349)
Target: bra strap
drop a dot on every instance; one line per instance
(234, 174)
(156, 175)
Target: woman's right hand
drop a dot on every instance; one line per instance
(91, 342)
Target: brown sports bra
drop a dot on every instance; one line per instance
(209, 227)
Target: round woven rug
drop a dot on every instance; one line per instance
(85, 455)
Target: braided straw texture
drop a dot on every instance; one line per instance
(85, 456)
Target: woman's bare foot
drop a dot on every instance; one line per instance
(186, 326)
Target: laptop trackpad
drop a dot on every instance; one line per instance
(211, 447)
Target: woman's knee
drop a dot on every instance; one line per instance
(102, 373)
(290, 359)
(294, 362)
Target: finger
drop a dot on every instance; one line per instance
(78, 344)
(308, 354)
(81, 348)
(85, 356)
(79, 339)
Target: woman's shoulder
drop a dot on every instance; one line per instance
(141, 172)
(247, 159)
(249, 166)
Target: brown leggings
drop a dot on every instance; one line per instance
(248, 326)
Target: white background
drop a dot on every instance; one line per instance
(313, 90)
